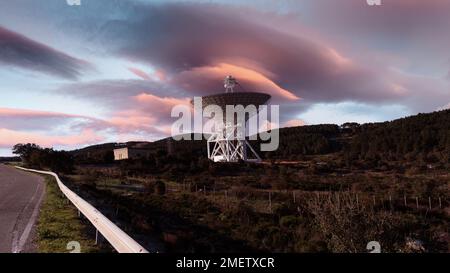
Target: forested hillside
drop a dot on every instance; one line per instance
(327, 188)
(422, 139)
(425, 138)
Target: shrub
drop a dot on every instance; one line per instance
(160, 187)
(289, 221)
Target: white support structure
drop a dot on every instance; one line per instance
(229, 83)
(230, 146)
(227, 143)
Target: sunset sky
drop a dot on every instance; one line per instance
(111, 70)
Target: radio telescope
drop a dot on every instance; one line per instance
(225, 144)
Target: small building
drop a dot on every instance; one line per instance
(123, 153)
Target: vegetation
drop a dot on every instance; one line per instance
(414, 143)
(96, 154)
(212, 212)
(328, 188)
(296, 142)
(9, 159)
(59, 224)
(34, 156)
(424, 139)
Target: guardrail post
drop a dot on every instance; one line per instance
(96, 236)
(357, 202)
(391, 206)
(270, 201)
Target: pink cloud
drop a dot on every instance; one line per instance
(294, 123)
(9, 138)
(10, 112)
(146, 112)
(42, 127)
(285, 62)
(23, 119)
(141, 116)
(283, 55)
(250, 78)
(160, 75)
(352, 52)
(138, 72)
(445, 107)
(150, 100)
(157, 75)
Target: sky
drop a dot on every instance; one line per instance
(111, 70)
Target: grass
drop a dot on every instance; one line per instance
(333, 212)
(12, 163)
(59, 224)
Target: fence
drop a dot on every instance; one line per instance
(357, 200)
(121, 241)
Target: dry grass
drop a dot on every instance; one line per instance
(59, 224)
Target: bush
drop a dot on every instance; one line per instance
(289, 221)
(37, 157)
(160, 187)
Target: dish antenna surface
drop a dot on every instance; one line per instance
(225, 144)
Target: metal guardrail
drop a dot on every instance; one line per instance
(121, 241)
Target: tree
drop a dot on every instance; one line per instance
(160, 187)
(25, 150)
(36, 157)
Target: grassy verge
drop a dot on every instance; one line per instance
(59, 224)
(11, 163)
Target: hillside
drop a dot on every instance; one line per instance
(328, 188)
(422, 139)
(9, 159)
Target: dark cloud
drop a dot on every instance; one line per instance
(318, 51)
(113, 93)
(44, 127)
(133, 106)
(397, 20)
(15, 119)
(196, 45)
(189, 41)
(19, 51)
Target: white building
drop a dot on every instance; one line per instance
(123, 153)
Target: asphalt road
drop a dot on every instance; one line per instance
(21, 194)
